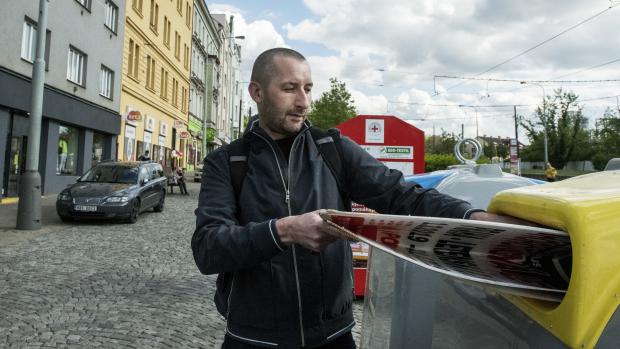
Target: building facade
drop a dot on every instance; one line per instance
(227, 79)
(155, 81)
(204, 36)
(80, 120)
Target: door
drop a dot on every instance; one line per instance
(17, 164)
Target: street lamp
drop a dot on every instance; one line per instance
(544, 118)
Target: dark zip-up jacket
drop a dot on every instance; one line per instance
(274, 295)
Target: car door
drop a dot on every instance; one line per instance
(146, 188)
(158, 187)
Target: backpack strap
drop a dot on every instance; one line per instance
(238, 152)
(327, 142)
(329, 145)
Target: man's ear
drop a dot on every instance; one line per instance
(256, 92)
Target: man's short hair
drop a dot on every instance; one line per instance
(264, 67)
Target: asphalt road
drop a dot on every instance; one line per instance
(110, 285)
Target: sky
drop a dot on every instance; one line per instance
(395, 56)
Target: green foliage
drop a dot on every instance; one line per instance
(568, 138)
(435, 162)
(333, 107)
(440, 144)
(606, 139)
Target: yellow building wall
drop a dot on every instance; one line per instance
(155, 107)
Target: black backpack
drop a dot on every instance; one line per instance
(327, 142)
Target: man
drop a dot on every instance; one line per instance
(145, 156)
(283, 280)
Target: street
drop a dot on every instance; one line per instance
(112, 285)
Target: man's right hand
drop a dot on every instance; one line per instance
(308, 230)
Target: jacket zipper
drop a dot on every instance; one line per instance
(287, 199)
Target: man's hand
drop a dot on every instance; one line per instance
(491, 217)
(308, 230)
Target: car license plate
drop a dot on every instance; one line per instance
(85, 208)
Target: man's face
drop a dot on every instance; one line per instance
(283, 104)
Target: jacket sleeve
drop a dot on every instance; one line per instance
(219, 243)
(374, 185)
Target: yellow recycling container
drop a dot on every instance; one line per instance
(588, 208)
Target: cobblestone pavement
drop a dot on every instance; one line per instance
(112, 285)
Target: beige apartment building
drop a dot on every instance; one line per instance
(155, 81)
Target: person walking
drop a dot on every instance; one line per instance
(283, 280)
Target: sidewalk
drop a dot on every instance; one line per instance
(8, 219)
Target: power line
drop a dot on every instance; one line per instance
(590, 68)
(527, 81)
(611, 6)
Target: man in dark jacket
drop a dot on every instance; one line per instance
(284, 281)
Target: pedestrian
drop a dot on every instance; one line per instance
(180, 177)
(145, 156)
(283, 280)
(550, 173)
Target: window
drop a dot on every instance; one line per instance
(76, 66)
(184, 99)
(106, 81)
(133, 60)
(185, 56)
(154, 15)
(175, 92)
(67, 150)
(111, 16)
(188, 18)
(85, 4)
(166, 32)
(137, 6)
(164, 84)
(177, 45)
(29, 40)
(180, 7)
(150, 72)
(98, 145)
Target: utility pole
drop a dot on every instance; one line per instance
(462, 131)
(29, 206)
(516, 130)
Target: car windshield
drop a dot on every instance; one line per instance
(111, 174)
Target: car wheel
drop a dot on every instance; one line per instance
(135, 211)
(160, 205)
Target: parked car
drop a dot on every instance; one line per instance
(197, 173)
(114, 190)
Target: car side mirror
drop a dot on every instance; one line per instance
(144, 181)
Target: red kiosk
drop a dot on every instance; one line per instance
(397, 144)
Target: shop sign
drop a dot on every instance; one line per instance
(390, 152)
(163, 129)
(183, 135)
(134, 115)
(178, 124)
(375, 131)
(211, 133)
(148, 137)
(130, 132)
(150, 123)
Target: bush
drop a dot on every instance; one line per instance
(435, 162)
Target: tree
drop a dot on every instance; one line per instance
(333, 107)
(441, 144)
(606, 138)
(568, 138)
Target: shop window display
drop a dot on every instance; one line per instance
(98, 144)
(67, 150)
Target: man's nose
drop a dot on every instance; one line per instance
(303, 99)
